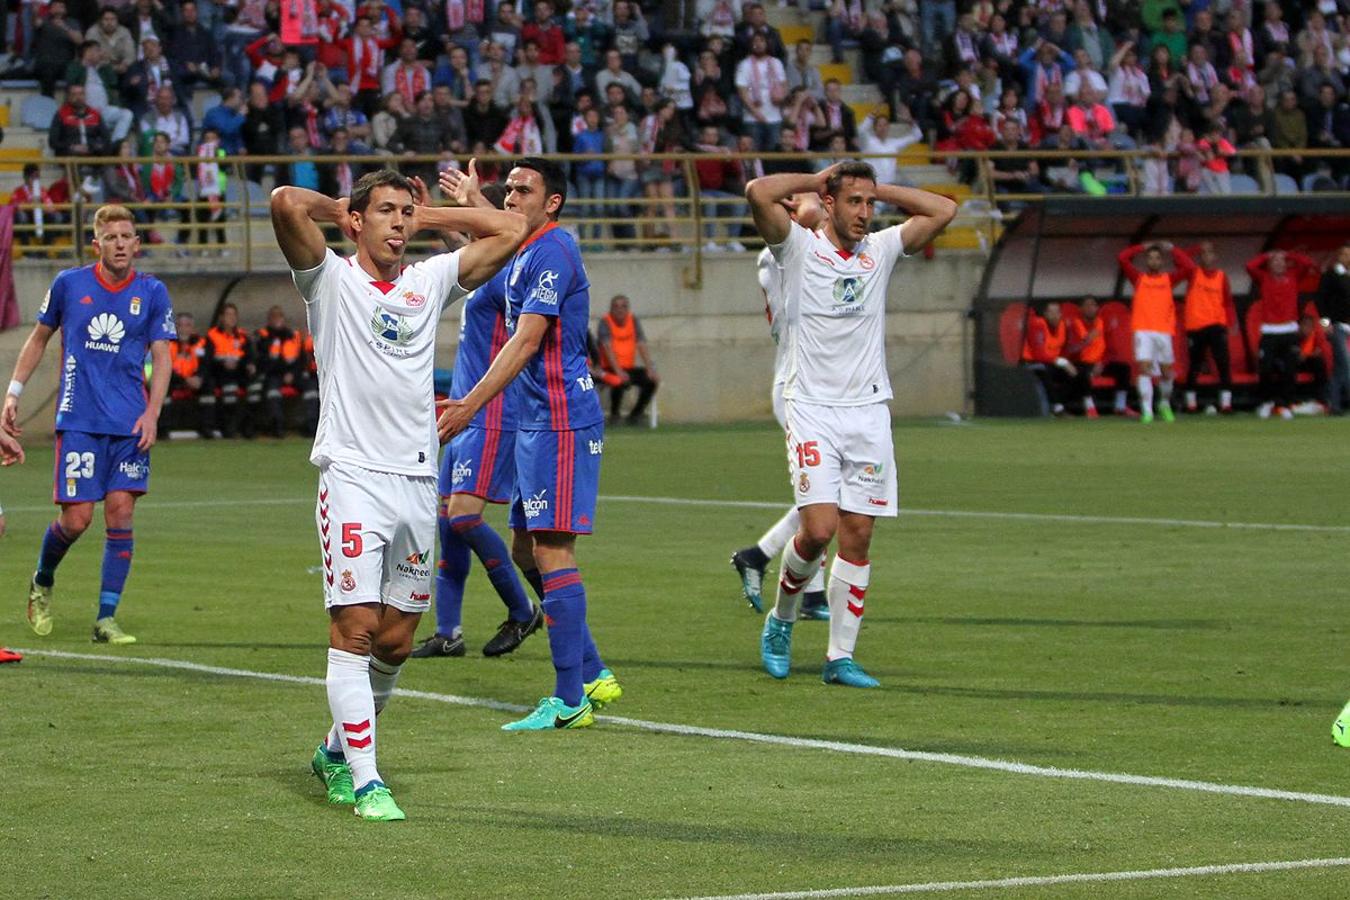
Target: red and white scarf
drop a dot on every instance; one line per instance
(363, 62)
(410, 81)
(458, 12)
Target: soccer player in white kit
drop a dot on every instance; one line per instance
(374, 325)
(750, 562)
(840, 453)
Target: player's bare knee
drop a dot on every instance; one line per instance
(76, 518)
(395, 652)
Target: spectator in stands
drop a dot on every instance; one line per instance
(875, 136)
(1273, 36)
(1215, 151)
(1001, 46)
(279, 354)
(1329, 123)
(1275, 277)
(211, 181)
(1084, 75)
(100, 85)
(227, 120)
(426, 134)
(675, 83)
(336, 179)
(762, 86)
(1093, 123)
(1129, 88)
(524, 131)
(546, 33)
(1045, 351)
(141, 84)
(803, 113)
(194, 52)
(1333, 301)
(165, 118)
(588, 177)
(937, 20)
(365, 59)
(505, 31)
(1153, 317)
(621, 176)
(77, 129)
(1314, 360)
(963, 126)
(787, 143)
(755, 22)
(505, 81)
(1209, 314)
(916, 88)
(589, 33)
(713, 87)
(187, 388)
(407, 75)
(299, 169)
(34, 209)
(630, 32)
(1015, 175)
(802, 73)
(623, 351)
(55, 42)
(1051, 113)
(230, 367)
(661, 132)
(837, 115)
(720, 188)
(144, 18)
(119, 49)
(385, 123)
(262, 129)
(1290, 132)
(1172, 36)
(881, 52)
(613, 73)
(162, 181)
(122, 181)
(1043, 64)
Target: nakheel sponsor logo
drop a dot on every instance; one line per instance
(596, 447)
(536, 505)
(105, 333)
(872, 474)
(415, 565)
(462, 471)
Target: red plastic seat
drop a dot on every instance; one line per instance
(1012, 332)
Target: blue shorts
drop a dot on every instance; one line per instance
(480, 462)
(91, 466)
(557, 479)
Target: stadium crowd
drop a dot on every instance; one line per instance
(382, 79)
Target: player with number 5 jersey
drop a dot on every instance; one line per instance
(836, 388)
(109, 316)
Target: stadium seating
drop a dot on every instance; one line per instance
(36, 112)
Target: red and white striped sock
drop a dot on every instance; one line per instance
(794, 575)
(383, 678)
(847, 590)
(353, 707)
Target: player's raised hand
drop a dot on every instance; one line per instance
(11, 451)
(421, 195)
(455, 417)
(148, 429)
(462, 187)
(9, 417)
(344, 218)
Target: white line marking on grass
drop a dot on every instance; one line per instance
(934, 887)
(780, 505)
(949, 759)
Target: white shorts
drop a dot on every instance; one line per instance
(377, 535)
(843, 455)
(1153, 347)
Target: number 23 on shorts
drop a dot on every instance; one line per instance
(808, 454)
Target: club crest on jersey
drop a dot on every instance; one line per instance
(105, 333)
(414, 300)
(348, 582)
(866, 261)
(536, 505)
(391, 327)
(462, 471)
(135, 306)
(848, 291)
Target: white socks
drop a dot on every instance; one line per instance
(796, 572)
(353, 707)
(848, 588)
(1225, 399)
(817, 583)
(777, 537)
(1165, 389)
(1120, 401)
(383, 677)
(1145, 393)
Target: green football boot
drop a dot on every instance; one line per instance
(336, 777)
(39, 609)
(376, 804)
(1165, 410)
(107, 631)
(1340, 729)
(604, 690)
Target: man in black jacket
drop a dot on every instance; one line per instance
(1333, 301)
(192, 51)
(77, 129)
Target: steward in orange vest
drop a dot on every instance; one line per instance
(229, 360)
(1209, 316)
(189, 385)
(623, 351)
(1046, 350)
(283, 367)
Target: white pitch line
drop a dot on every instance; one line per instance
(934, 887)
(949, 759)
(782, 505)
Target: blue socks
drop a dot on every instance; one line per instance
(491, 551)
(55, 543)
(451, 573)
(565, 612)
(117, 551)
(591, 663)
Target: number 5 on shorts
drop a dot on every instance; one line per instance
(808, 454)
(351, 539)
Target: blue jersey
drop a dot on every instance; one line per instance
(106, 330)
(547, 278)
(482, 332)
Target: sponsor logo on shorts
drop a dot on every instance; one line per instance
(135, 469)
(135, 306)
(414, 300)
(803, 483)
(415, 565)
(546, 291)
(105, 333)
(418, 598)
(348, 582)
(596, 447)
(462, 471)
(873, 501)
(873, 474)
(536, 505)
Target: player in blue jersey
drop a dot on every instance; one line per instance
(109, 315)
(477, 468)
(559, 442)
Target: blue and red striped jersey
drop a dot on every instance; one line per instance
(547, 278)
(482, 332)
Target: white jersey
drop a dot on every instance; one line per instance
(375, 345)
(835, 305)
(771, 282)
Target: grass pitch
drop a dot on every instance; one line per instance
(1108, 644)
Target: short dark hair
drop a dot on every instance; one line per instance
(367, 183)
(30, 169)
(851, 169)
(1154, 248)
(87, 44)
(555, 181)
(494, 193)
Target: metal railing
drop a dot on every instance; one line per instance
(670, 212)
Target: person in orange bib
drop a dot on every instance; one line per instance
(187, 384)
(229, 366)
(1153, 315)
(1088, 352)
(1045, 351)
(623, 351)
(1209, 315)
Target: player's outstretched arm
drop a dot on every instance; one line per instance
(928, 213)
(497, 234)
(515, 353)
(29, 357)
(296, 216)
(766, 196)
